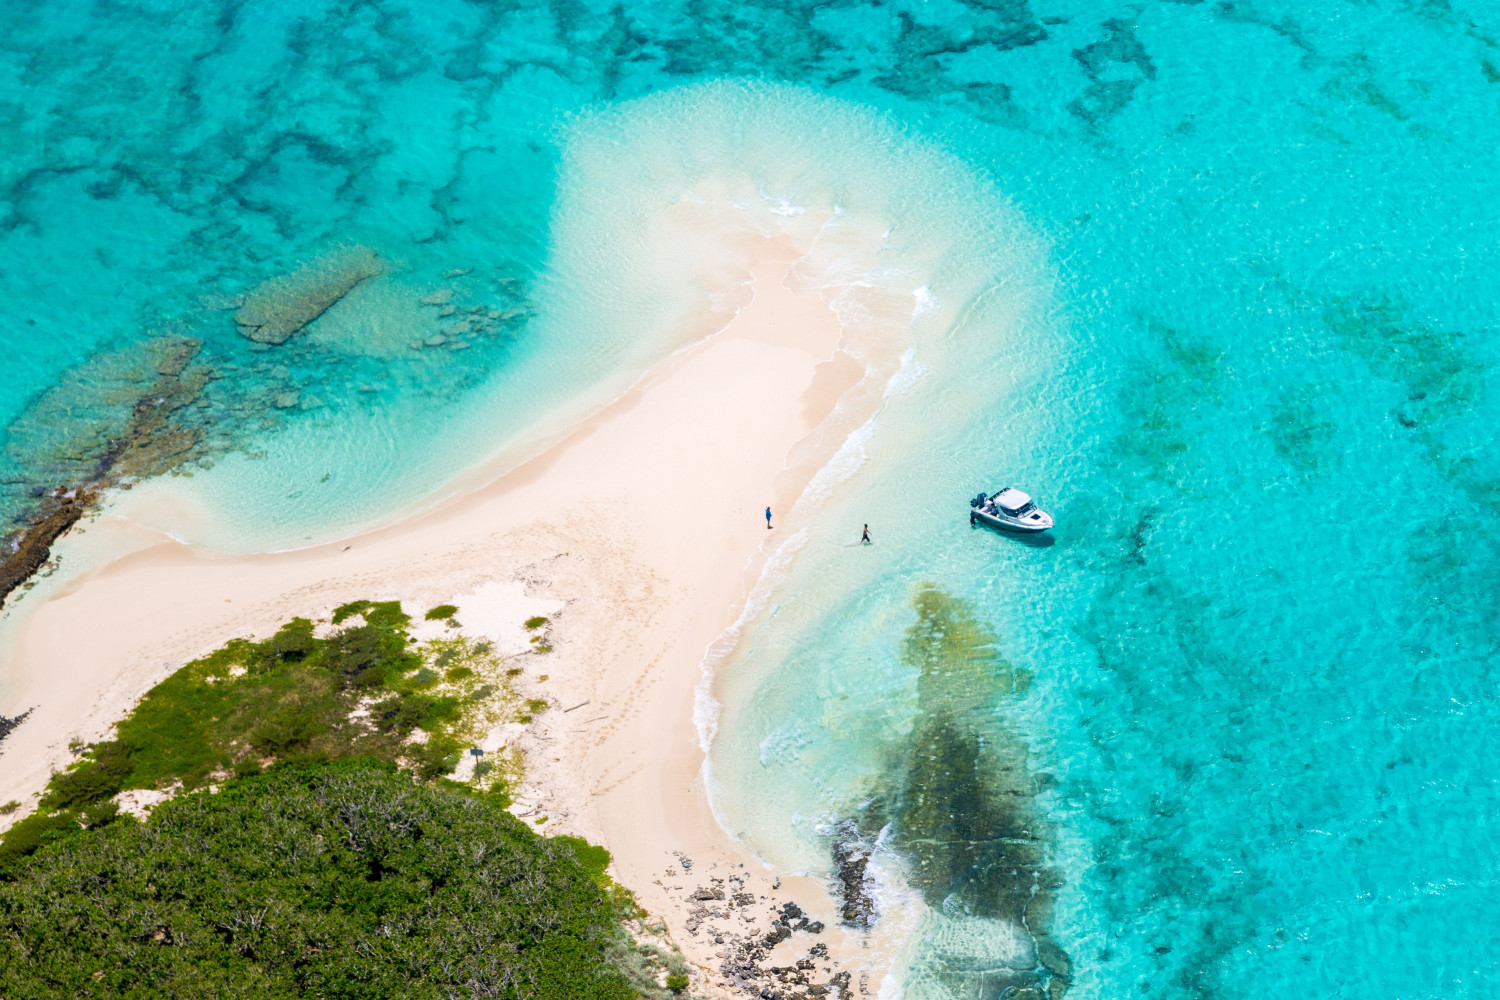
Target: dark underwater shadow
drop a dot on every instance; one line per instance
(956, 805)
(1034, 540)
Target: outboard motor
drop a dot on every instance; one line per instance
(978, 501)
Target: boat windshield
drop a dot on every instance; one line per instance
(1025, 508)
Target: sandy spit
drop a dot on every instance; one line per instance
(644, 525)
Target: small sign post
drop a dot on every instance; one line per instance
(476, 752)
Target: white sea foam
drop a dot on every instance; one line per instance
(942, 278)
(925, 302)
(907, 376)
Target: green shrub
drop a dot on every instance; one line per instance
(344, 612)
(94, 778)
(293, 701)
(441, 612)
(435, 758)
(288, 728)
(293, 642)
(343, 881)
(235, 652)
(533, 624)
(387, 615)
(677, 982)
(356, 652)
(100, 814)
(32, 833)
(413, 710)
(594, 859)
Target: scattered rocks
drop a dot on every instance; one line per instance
(8, 725)
(744, 954)
(281, 306)
(457, 272)
(288, 399)
(851, 859)
(441, 297)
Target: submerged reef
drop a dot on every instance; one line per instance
(210, 382)
(958, 808)
(283, 305)
(111, 421)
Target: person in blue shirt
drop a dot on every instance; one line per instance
(768, 519)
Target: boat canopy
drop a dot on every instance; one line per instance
(1012, 499)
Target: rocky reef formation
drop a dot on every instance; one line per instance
(283, 305)
(113, 420)
(851, 862)
(957, 807)
(30, 550)
(8, 724)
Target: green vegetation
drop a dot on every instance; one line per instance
(335, 859)
(363, 690)
(338, 881)
(442, 612)
(533, 624)
(384, 614)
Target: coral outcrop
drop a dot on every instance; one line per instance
(281, 306)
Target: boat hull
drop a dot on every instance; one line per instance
(990, 520)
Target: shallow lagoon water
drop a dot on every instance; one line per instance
(1245, 353)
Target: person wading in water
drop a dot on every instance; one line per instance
(865, 538)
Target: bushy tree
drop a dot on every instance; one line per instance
(344, 880)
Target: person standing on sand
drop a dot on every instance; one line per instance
(768, 519)
(865, 538)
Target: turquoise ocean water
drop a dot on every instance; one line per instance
(1212, 280)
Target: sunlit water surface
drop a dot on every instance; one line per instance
(1213, 281)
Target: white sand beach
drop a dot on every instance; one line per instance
(643, 523)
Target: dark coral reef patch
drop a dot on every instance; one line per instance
(958, 805)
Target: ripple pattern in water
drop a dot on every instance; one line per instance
(1258, 393)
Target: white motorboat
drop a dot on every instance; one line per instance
(1009, 509)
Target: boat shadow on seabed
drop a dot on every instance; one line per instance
(1034, 541)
